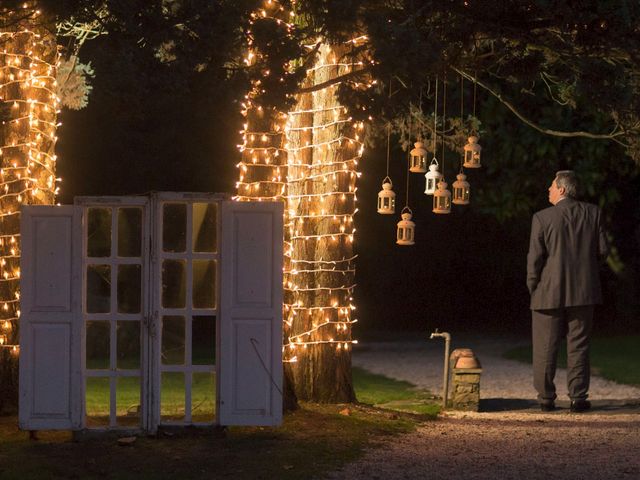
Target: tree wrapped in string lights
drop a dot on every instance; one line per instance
(308, 157)
(28, 61)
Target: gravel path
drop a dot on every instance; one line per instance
(510, 438)
(421, 363)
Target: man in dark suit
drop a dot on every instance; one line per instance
(566, 246)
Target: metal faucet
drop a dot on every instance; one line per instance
(445, 382)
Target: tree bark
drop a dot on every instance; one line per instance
(321, 202)
(27, 176)
(314, 173)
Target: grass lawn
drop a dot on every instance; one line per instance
(312, 441)
(385, 392)
(614, 358)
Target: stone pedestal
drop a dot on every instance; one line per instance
(466, 389)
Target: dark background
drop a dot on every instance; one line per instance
(148, 127)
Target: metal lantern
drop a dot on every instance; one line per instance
(433, 176)
(472, 153)
(442, 199)
(461, 190)
(406, 228)
(386, 198)
(418, 159)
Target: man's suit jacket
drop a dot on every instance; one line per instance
(566, 246)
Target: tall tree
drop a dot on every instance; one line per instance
(28, 61)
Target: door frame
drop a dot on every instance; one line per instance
(113, 202)
(248, 337)
(156, 367)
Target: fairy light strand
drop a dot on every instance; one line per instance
(28, 65)
(308, 158)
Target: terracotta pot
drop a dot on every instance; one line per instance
(462, 352)
(467, 362)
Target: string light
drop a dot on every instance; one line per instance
(307, 158)
(28, 65)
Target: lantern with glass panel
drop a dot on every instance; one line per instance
(472, 152)
(406, 228)
(442, 198)
(418, 158)
(461, 192)
(432, 177)
(386, 198)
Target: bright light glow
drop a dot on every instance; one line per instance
(308, 159)
(28, 63)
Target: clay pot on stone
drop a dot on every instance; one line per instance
(462, 352)
(467, 362)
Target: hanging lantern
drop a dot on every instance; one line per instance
(442, 198)
(461, 190)
(433, 176)
(386, 198)
(406, 228)
(472, 153)
(418, 159)
(3, 337)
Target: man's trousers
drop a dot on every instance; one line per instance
(549, 328)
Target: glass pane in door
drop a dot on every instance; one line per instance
(174, 227)
(174, 284)
(97, 401)
(204, 283)
(128, 401)
(203, 397)
(204, 227)
(129, 232)
(173, 340)
(172, 396)
(129, 288)
(98, 289)
(98, 345)
(99, 232)
(128, 345)
(203, 338)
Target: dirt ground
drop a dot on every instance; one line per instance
(509, 438)
(524, 445)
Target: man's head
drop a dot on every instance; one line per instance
(564, 185)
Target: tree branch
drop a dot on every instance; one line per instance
(333, 81)
(547, 131)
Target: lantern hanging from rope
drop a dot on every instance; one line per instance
(406, 228)
(461, 192)
(432, 177)
(418, 158)
(386, 198)
(442, 198)
(472, 153)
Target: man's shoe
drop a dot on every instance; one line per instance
(548, 407)
(578, 406)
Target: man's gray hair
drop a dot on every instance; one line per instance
(567, 180)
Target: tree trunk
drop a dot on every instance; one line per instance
(313, 169)
(321, 203)
(28, 60)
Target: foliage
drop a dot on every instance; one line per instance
(73, 83)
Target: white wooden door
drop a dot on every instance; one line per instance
(50, 321)
(139, 312)
(250, 339)
(185, 308)
(116, 320)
